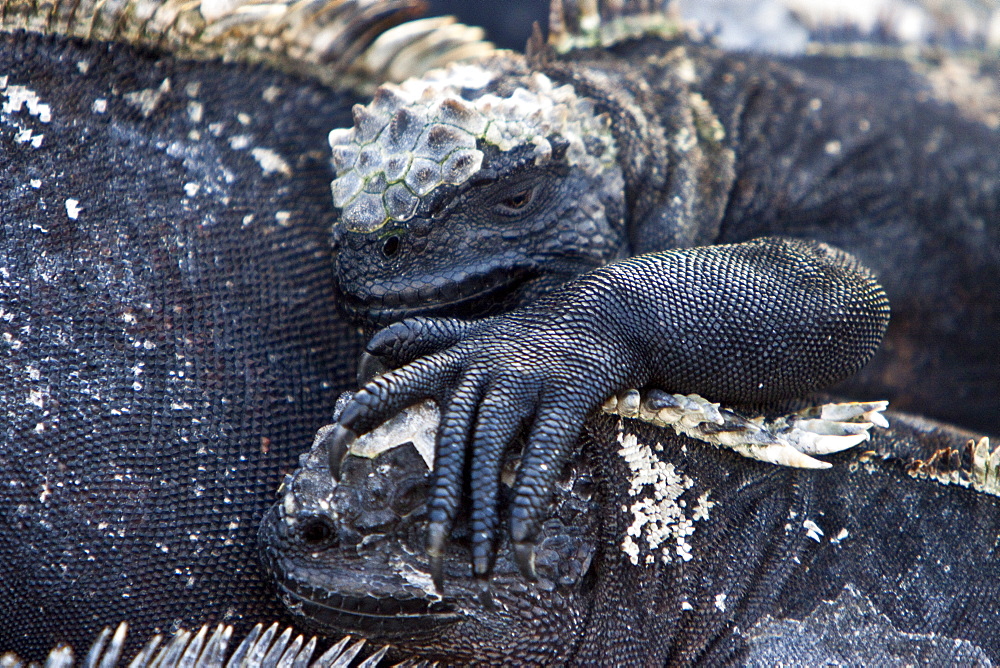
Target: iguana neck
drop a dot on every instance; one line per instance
(675, 151)
(691, 595)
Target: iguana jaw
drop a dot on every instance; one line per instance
(479, 292)
(386, 617)
(344, 579)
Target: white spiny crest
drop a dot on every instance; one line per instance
(978, 470)
(786, 440)
(580, 24)
(202, 649)
(424, 133)
(357, 43)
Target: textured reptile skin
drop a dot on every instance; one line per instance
(650, 144)
(260, 377)
(745, 324)
(170, 337)
(661, 550)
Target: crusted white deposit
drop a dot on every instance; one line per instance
(661, 520)
(417, 424)
(421, 134)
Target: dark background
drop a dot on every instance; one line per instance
(507, 22)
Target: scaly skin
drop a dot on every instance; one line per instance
(820, 314)
(658, 550)
(669, 143)
(247, 307)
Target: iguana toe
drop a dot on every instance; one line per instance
(500, 417)
(339, 441)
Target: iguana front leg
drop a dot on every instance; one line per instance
(746, 323)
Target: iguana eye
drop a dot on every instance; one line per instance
(318, 533)
(391, 246)
(517, 201)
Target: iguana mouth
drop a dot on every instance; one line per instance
(368, 614)
(480, 294)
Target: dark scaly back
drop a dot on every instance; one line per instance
(170, 333)
(167, 294)
(891, 154)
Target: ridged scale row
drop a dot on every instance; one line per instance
(422, 134)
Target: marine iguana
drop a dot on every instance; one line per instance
(168, 329)
(59, 588)
(658, 550)
(488, 187)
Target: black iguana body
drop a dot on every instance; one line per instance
(480, 189)
(658, 550)
(250, 310)
(159, 288)
(167, 304)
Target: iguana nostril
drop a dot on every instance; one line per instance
(391, 246)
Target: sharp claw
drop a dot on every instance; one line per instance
(784, 455)
(338, 443)
(481, 551)
(435, 550)
(845, 412)
(828, 428)
(480, 565)
(828, 444)
(524, 557)
(437, 573)
(876, 418)
(369, 367)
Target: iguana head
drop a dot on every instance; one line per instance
(471, 189)
(350, 557)
(635, 557)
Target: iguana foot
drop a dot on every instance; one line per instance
(788, 440)
(675, 319)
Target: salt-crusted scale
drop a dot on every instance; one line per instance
(421, 134)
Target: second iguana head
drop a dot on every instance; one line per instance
(478, 182)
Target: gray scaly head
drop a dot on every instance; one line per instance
(479, 184)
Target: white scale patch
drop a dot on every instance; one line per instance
(271, 162)
(416, 578)
(147, 99)
(417, 424)
(423, 133)
(661, 521)
(73, 208)
(813, 530)
(22, 100)
(19, 97)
